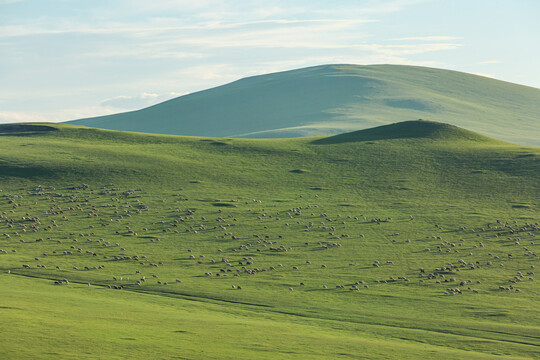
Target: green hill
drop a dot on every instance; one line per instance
(386, 242)
(421, 129)
(332, 99)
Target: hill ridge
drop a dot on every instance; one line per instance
(420, 129)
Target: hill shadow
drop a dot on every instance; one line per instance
(24, 129)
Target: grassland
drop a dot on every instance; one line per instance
(350, 217)
(331, 99)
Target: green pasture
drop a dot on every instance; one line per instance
(387, 242)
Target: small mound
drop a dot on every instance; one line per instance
(406, 129)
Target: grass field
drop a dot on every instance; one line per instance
(387, 242)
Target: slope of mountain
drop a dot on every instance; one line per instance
(332, 99)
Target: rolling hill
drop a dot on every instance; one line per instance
(332, 99)
(410, 240)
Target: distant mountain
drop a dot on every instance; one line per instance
(333, 99)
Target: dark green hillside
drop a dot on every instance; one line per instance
(420, 129)
(332, 99)
(411, 240)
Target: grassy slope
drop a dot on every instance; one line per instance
(332, 99)
(437, 173)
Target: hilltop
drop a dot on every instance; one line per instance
(420, 129)
(332, 99)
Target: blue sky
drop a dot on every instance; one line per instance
(67, 59)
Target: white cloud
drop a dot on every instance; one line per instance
(214, 73)
(16, 117)
(53, 116)
(489, 62)
(157, 27)
(173, 38)
(411, 49)
(428, 38)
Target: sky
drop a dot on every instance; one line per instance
(68, 59)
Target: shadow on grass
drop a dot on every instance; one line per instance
(24, 130)
(24, 172)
